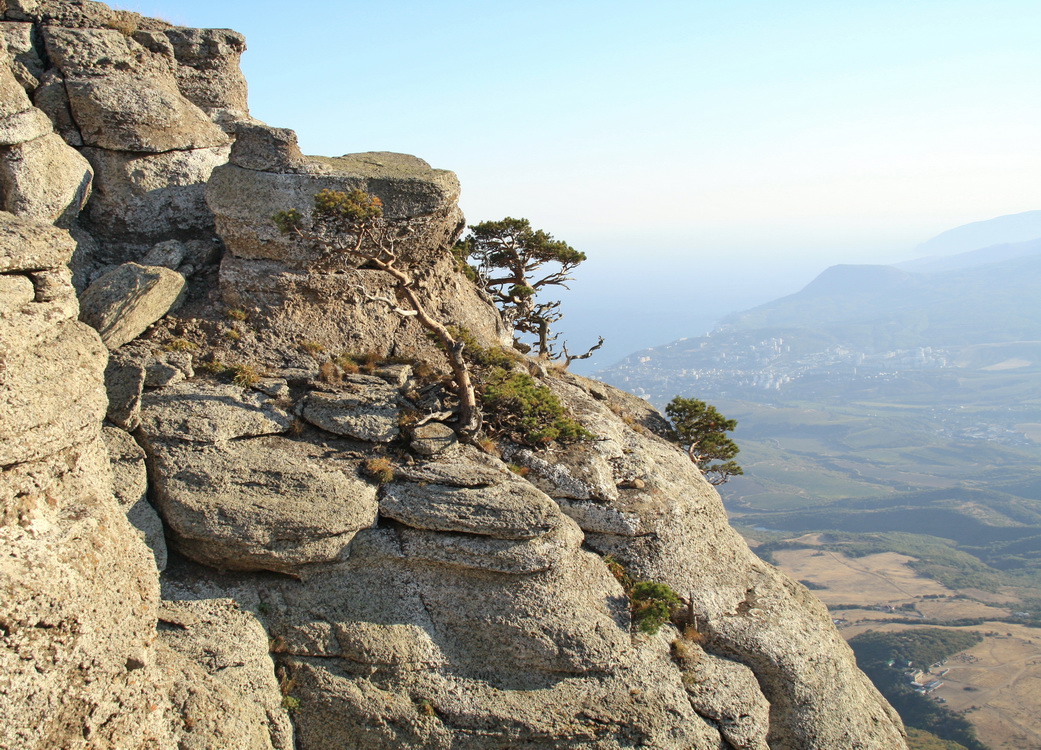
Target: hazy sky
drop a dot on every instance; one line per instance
(772, 138)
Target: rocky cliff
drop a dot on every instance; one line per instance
(342, 571)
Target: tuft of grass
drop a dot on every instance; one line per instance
(180, 345)
(125, 22)
(407, 417)
(244, 375)
(290, 703)
(518, 469)
(212, 366)
(329, 373)
(346, 363)
(311, 347)
(233, 334)
(236, 313)
(380, 469)
(426, 708)
(489, 446)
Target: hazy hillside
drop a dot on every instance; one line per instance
(875, 308)
(880, 400)
(980, 234)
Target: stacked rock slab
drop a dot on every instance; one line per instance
(276, 278)
(150, 106)
(81, 661)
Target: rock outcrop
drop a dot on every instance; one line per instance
(343, 570)
(291, 295)
(82, 663)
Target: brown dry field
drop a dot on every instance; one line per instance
(882, 578)
(1004, 671)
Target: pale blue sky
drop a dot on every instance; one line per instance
(777, 137)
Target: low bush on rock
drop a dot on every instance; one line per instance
(517, 406)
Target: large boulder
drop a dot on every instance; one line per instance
(125, 97)
(44, 179)
(121, 304)
(141, 198)
(365, 408)
(269, 503)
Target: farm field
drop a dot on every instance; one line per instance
(996, 684)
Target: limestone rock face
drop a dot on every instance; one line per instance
(125, 301)
(747, 610)
(80, 663)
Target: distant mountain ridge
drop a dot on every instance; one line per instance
(882, 307)
(971, 258)
(1011, 228)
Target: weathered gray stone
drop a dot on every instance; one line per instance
(509, 510)
(746, 610)
(208, 71)
(166, 368)
(130, 486)
(263, 148)
(13, 98)
(169, 254)
(24, 126)
(72, 568)
(50, 97)
(15, 292)
(124, 302)
(203, 412)
(140, 199)
(227, 684)
(364, 408)
(244, 201)
(44, 179)
(268, 503)
(26, 245)
(727, 693)
(124, 382)
(124, 97)
(433, 438)
(52, 396)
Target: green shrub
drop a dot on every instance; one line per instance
(516, 405)
(652, 605)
